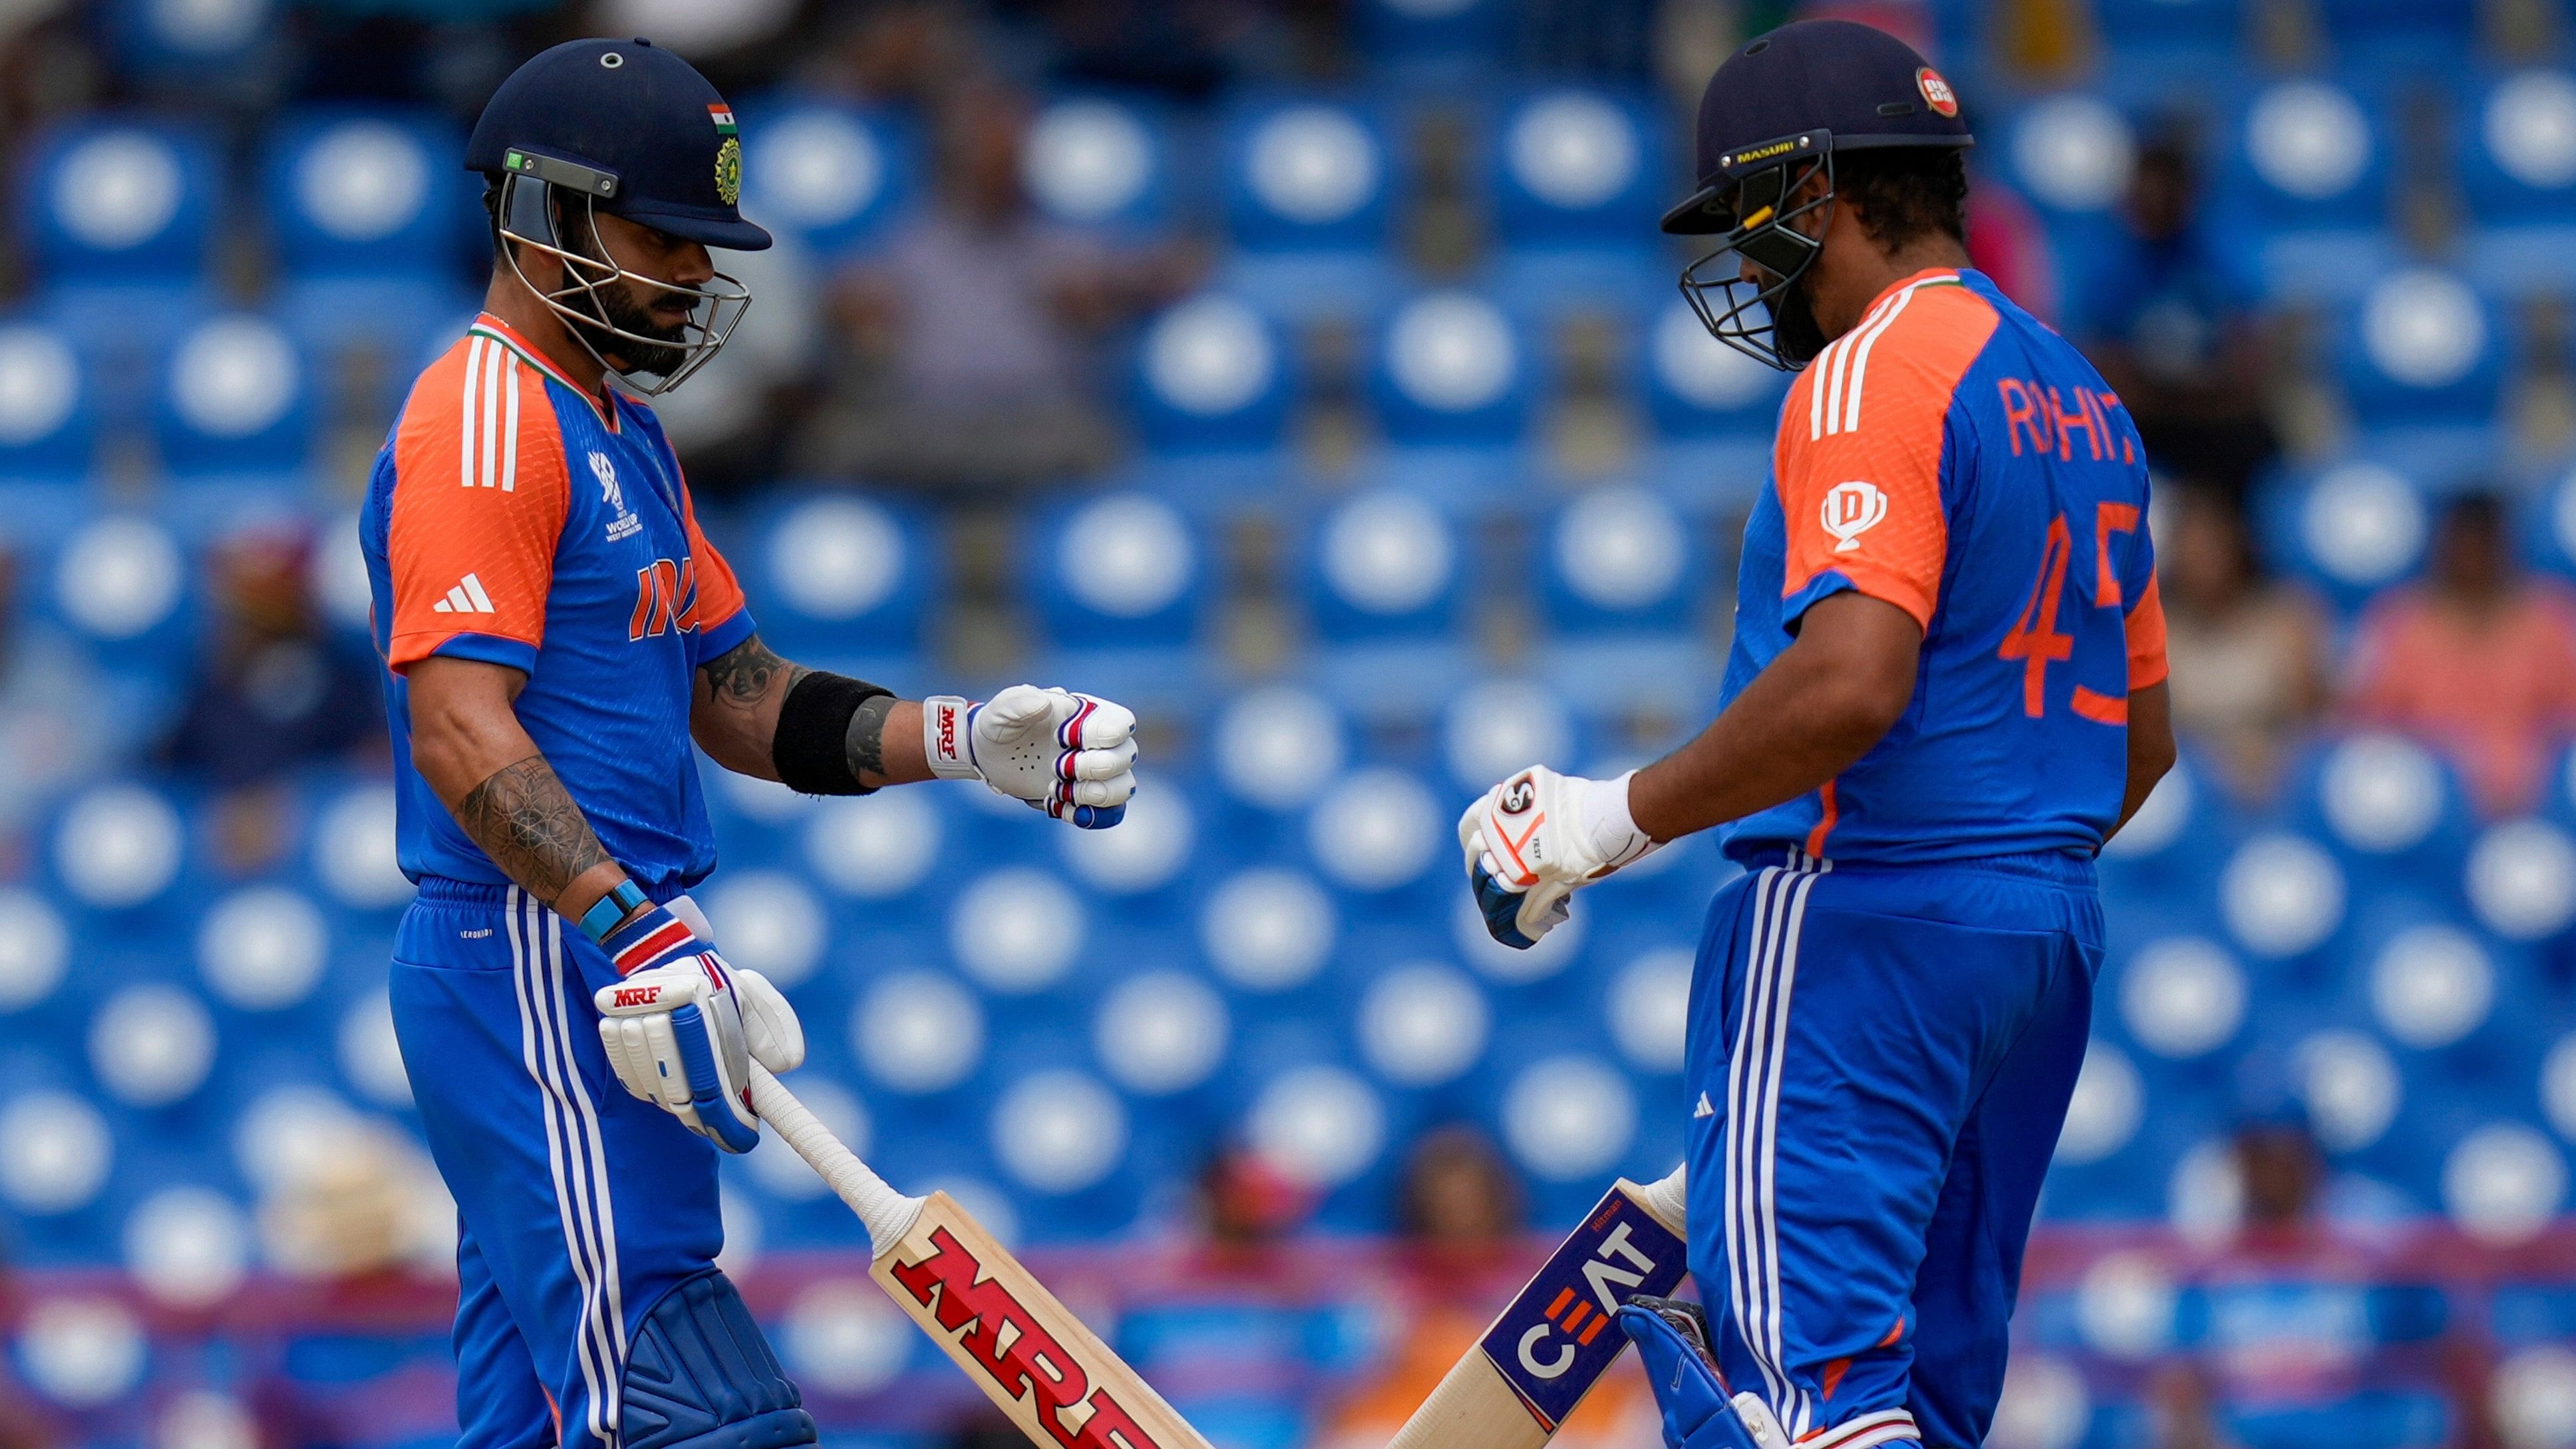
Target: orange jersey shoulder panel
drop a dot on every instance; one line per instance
(479, 499)
(1858, 462)
(2145, 625)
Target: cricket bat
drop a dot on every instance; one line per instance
(1552, 1344)
(1037, 1362)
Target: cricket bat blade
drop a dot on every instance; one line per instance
(1035, 1360)
(1553, 1342)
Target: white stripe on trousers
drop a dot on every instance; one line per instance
(1753, 1103)
(580, 1177)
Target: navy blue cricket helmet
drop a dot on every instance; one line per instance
(1774, 116)
(627, 128)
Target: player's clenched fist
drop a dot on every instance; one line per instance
(1537, 836)
(1070, 755)
(683, 1025)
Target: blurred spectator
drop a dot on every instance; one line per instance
(969, 332)
(2249, 652)
(52, 733)
(1465, 1253)
(2292, 1348)
(2477, 658)
(275, 690)
(1245, 1335)
(2008, 244)
(2164, 317)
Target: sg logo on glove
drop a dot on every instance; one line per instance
(1536, 837)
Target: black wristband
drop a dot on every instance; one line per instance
(811, 747)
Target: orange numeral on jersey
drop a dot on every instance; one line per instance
(2034, 639)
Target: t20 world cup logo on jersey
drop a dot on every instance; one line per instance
(1561, 1322)
(1852, 509)
(613, 494)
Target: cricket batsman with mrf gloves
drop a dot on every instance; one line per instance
(557, 632)
(1946, 691)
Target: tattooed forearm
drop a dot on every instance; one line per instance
(528, 824)
(867, 736)
(747, 674)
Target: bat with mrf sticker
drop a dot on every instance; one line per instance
(1552, 1344)
(1037, 1362)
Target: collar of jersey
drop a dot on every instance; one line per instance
(501, 332)
(1928, 277)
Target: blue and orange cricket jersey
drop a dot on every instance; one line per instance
(518, 518)
(1956, 458)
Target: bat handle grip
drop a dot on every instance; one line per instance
(1667, 1198)
(887, 1213)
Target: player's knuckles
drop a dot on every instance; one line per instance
(1108, 726)
(1103, 764)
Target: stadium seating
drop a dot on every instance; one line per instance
(1064, 1029)
(1308, 193)
(2305, 173)
(833, 175)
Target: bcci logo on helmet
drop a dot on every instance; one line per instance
(1850, 510)
(1936, 92)
(729, 171)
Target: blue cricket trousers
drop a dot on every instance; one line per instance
(581, 1206)
(1879, 1061)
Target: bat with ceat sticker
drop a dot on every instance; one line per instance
(1553, 1343)
(1037, 1362)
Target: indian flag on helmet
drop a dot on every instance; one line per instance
(722, 115)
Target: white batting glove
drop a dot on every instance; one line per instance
(681, 1029)
(1070, 755)
(1537, 836)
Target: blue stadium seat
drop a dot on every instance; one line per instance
(2071, 155)
(121, 200)
(124, 587)
(1697, 386)
(48, 405)
(1308, 187)
(1577, 177)
(2305, 172)
(1620, 590)
(361, 191)
(196, 42)
(1433, 40)
(2422, 358)
(2517, 167)
(1452, 368)
(2351, 528)
(2399, 37)
(1384, 565)
(236, 397)
(1213, 373)
(833, 175)
(1121, 570)
(838, 576)
(369, 225)
(119, 214)
(2394, 809)
(2168, 44)
(1101, 163)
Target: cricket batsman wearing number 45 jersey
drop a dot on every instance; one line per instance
(556, 632)
(1947, 690)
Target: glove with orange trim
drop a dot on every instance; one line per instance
(1535, 837)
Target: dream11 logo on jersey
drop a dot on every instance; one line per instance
(1852, 509)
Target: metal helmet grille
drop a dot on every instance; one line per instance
(528, 220)
(1748, 315)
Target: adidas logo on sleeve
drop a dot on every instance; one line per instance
(467, 597)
